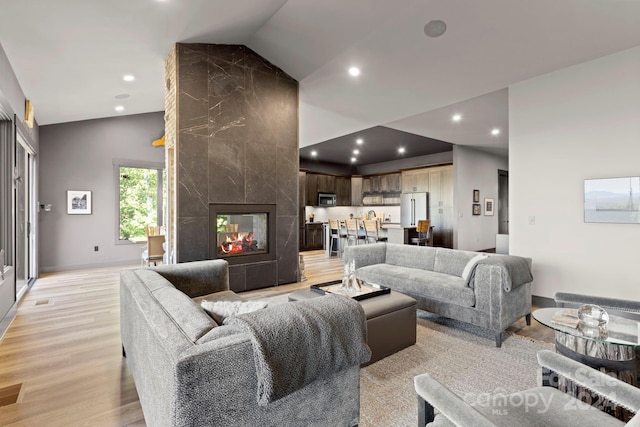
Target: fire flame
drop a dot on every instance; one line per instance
(238, 243)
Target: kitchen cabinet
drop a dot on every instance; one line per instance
(415, 181)
(311, 189)
(441, 205)
(343, 190)
(356, 190)
(313, 236)
(326, 183)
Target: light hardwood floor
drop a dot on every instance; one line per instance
(62, 355)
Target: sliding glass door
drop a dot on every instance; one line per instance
(25, 216)
(7, 221)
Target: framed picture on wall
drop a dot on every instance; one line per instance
(476, 196)
(476, 208)
(489, 206)
(79, 202)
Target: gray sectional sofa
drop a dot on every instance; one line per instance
(492, 292)
(190, 371)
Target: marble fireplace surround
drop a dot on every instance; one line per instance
(231, 122)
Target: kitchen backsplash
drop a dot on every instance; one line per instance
(343, 212)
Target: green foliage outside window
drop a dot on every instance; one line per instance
(138, 201)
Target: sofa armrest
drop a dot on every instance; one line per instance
(435, 395)
(197, 278)
(365, 254)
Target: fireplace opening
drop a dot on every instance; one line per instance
(242, 233)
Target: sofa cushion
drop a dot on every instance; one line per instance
(220, 310)
(452, 261)
(417, 282)
(186, 314)
(411, 256)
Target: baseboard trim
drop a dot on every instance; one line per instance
(59, 268)
(542, 302)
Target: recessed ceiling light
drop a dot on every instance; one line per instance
(359, 141)
(435, 28)
(456, 117)
(401, 150)
(495, 131)
(356, 152)
(128, 78)
(119, 108)
(314, 153)
(353, 159)
(354, 71)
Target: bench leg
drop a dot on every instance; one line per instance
(527, 318)
(124, 353)
(425, 412)
(499, 339)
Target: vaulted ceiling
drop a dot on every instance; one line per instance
(70, 55)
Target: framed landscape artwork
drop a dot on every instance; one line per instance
(612, 200)
(489, 206)
(78, 202)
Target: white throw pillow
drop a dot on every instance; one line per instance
(220, 310)
(472, 262)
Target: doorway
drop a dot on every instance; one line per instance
(503, 202)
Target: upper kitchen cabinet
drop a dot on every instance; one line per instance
(312, 189)
(326, 183)
(356, 190)
(415, 181)
(320, 183)
(343, 190)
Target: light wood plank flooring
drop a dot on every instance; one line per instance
(60, 360)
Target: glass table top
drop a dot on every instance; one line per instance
(619, 330)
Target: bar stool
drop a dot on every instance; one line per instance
(423, 233)
(353, 234)
(371, 228)
(334, 241)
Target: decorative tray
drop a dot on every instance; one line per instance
(367, 290)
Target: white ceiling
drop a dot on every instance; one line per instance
(70, 55)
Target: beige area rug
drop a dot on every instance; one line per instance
(461, 356)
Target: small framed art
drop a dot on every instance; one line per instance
(489, 206)
(476, 196)
(476, 208)
(79, 202)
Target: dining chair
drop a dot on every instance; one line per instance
(155, 249)
(424, 234)
(372, 230)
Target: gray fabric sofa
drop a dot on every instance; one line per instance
(492, 294)
(189, 371)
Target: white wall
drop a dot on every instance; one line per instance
(475, 170)
(79, 156)
(564, 127)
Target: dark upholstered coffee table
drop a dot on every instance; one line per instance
(391, 321)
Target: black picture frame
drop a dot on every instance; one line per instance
(476, 196)
(476, 208)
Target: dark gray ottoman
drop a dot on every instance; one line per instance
(391, 321)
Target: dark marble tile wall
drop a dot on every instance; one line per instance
(237, 143)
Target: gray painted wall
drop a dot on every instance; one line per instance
(564, 127)
(475, 170)
(79, 156)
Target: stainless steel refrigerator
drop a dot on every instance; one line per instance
(413, 207)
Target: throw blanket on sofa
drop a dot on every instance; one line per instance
(515, 271)
(299, 342)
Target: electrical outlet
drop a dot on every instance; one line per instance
(95, 249)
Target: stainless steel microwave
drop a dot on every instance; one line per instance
(326, 199)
